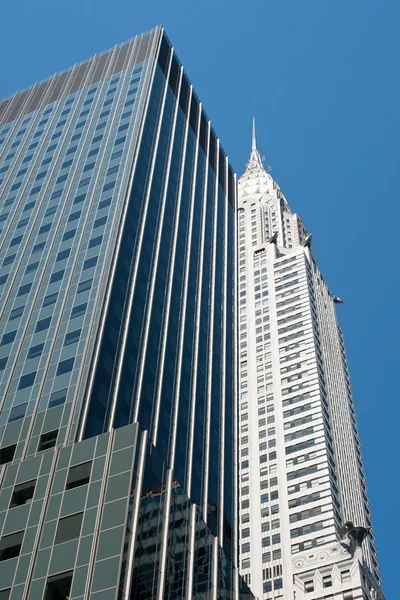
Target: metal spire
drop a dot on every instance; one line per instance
(255, 161)
(254, 138)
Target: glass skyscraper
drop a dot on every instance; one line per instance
(117, 382)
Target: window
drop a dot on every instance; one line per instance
(79, 199)
(10, 545)
(95, 241)
(17, 412)
(63, 254)
(78, 311)
(43, 324)
(345, 576)
(246, 547)
(7, 454)
(50, 211)
(47, 440)
(69, 528)
(58, 398)
(24, 289)
(327, 581)
(59, 586)
(50, 299)
(38, 248)
(278, 584)
(69, 235)
(74, 216)
(89, 263)
(267, 587)
(84, 286)
(22, 494)
(27, 380)
(35, 351)
(308, 586)
(57, 276)
(104, 203)
(16, 313)
(5, 594)
(72, 337)
(9, 260)
(15, 241)
(65, 366)
(3, 363)
(78, 475)
(32, 267)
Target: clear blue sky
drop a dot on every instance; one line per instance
(322, 78)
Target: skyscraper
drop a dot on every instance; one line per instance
(301, 470)
(117, 380)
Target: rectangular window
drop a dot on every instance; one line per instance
(57, 276)
(27, 380)
(72, 337)
(50, 299)
(58, 398)
(8, 338)
(79, 199)
(9, 260)
(89, 263)
(65, 366)
(63, 254)
(10, 545)
(84, 286)
(17, 412)
(16, 313)
(69, 528)
(68, 235)
(59, 586)
(35, 351)
(78, 475)
(32, 267)
(74, 216)
(22, 494)
(43, 324)
(95, 241)
(79, 310)
(47, 440)
(7, 454)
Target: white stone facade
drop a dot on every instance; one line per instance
(301, 471)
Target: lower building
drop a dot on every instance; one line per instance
(105, 518)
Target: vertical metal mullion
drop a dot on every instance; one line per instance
(211, 333)
(198, 309)
(135, 517)
(164, 545)
(133, 281)
(223, 361)
(96, 350)
(168, 305)
(155, 263)
(192, 540)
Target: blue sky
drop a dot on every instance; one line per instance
(321, 77)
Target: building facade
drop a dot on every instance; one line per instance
(117, 336)
(301, 469)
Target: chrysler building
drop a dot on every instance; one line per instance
(305, 520)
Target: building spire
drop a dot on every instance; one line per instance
(254, 138)
(255, 162)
